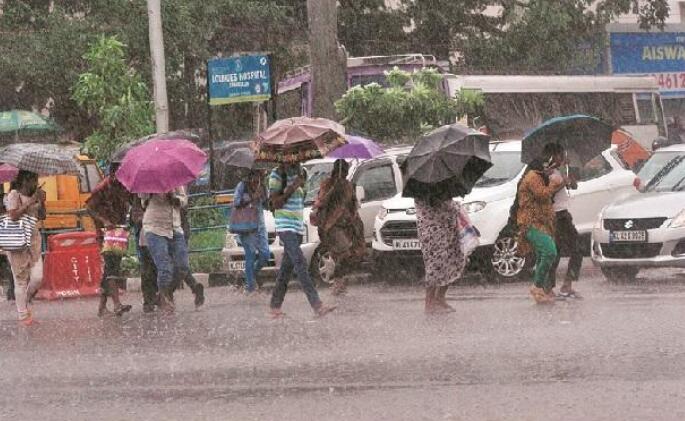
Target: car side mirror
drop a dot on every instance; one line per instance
(360, 193)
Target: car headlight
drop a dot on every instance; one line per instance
(600, 218)
(473, 207)
(411, 211)
(382, 213)
(679, 220)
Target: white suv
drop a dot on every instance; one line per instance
(602, 181)
(376, 180)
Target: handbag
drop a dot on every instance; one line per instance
(243, 220)
(115, 241)
(16, 235)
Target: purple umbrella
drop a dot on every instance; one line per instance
(357, 147)
(159, 166)
(8, 173)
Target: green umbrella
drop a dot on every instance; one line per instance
(20, 125)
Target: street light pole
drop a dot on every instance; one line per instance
(154, 11)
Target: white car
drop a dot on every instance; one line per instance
(376, 180)
(602, 180)
(648, 229)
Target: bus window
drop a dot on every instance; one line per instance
(361, 80)
(645, 109)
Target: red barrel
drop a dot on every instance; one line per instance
(73, 266)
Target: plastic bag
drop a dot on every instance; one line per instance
(469, 237)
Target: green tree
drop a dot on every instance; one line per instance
(369, 27)
(115, 97)
(42, 52)
(410, 106)
(527, 36)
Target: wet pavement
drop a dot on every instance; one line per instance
(617, 354)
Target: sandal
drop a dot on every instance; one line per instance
(324, 310)
(124, 308)
(276, 313)
(570, 294)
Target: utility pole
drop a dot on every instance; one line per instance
(154, 11)
(328, 59)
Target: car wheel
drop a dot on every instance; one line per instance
(322, 268)
(620, 274)
(505, 261)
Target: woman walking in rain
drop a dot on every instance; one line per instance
(252, 191)
(437, 217)
(535, 218)
(26, 198)
(336, 214)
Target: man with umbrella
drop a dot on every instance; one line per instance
(287, 193)
(160, 182)
(289, 142)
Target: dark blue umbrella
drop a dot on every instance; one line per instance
(583, 136)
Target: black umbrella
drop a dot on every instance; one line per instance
(44, 160)
(446, 162)
(584, 137)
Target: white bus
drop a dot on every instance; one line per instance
(515, 104)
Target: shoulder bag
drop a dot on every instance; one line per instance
(244, 219)
(16, 235)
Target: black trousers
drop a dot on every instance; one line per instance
(568, 244)
(148, 277)
(111, 271)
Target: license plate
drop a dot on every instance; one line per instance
(406, 244)
(628, 236)
(237, 266)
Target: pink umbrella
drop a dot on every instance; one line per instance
(8, 173)
(159, 166)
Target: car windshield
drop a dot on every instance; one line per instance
(316, 173)
(671, 177)
(506, 166)
(656, 163)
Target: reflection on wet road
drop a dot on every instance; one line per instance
(617, 354)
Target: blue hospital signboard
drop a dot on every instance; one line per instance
(661, 54)
(245, 78)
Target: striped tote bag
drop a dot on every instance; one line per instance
(16, 235)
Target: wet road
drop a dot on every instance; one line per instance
(617, 354)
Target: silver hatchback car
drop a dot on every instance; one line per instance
(647, 229)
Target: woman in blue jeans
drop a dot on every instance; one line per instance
(252, 191)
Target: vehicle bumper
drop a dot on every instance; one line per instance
(665, 248)
(236, 253)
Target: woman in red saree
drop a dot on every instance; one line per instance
(341, 230)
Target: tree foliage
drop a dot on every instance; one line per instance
(42, 52)
(115, 97)
(532, 36)
(410, 106)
